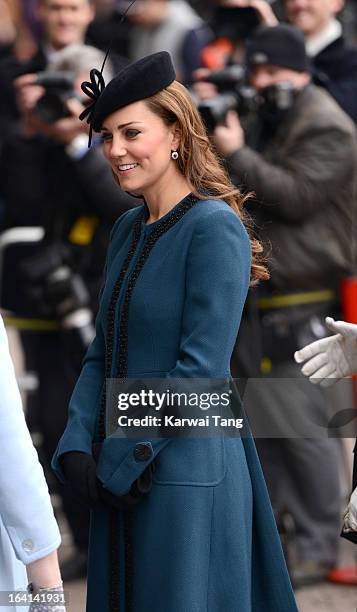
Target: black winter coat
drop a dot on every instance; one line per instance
(335, 69)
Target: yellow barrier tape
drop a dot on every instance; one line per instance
(296, 299)
(31, 324)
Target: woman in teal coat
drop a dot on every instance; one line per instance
(197, 533)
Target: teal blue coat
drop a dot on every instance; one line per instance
(204, 538)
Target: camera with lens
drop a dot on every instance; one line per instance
(59, 87)
(276, 100)
(53, 290)
(234, 94)
(269, 104)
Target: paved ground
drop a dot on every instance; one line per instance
(328, 598)
(323, 598)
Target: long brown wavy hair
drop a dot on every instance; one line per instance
(199, 163)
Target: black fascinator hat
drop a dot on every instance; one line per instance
(135, 82)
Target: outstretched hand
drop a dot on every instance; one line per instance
(331, 358)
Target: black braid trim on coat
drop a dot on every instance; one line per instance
(111, 322)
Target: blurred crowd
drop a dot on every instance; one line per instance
(276, 85)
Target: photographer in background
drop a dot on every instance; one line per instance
(64, 22)
(50, 178)
(302, 169)
(333, 61)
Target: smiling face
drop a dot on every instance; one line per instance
(65, 21)
(138, 146)
(312, 16)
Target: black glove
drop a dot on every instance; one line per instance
(138, 489)
(80, 473)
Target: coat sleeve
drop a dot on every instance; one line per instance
(217, 280)
(218, 273)
(317, 164)
(79, 432)
(34, 532)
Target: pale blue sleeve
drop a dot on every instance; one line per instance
(25, 506)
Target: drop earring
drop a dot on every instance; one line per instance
(174, 155)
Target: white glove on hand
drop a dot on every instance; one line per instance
(350, 517)
(330, 358)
